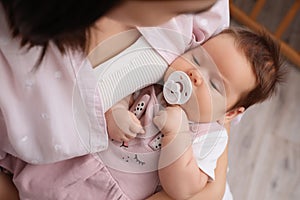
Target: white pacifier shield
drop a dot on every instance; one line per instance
(178, 88)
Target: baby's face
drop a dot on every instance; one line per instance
(220, 74)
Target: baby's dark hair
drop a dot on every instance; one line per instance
(263, 54)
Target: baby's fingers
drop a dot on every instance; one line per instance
(135, 126)
(160, 119)
(129, 137)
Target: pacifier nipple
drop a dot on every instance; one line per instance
(178, 88)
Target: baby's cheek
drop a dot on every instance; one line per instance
(204, 108)
(192, 109)
(218, 107)
(168, 72)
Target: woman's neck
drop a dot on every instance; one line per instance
(108, 38)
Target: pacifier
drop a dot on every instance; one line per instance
(178, 88)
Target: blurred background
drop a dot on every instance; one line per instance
(264, 149)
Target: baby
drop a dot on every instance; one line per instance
(202, 91)
(177, 147)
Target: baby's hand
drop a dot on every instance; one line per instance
(172, 120)
(122, 125)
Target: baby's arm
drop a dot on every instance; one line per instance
(122, 125)
(180, 177)
(213, 190)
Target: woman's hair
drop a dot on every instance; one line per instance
(263, 54)
(65, 22)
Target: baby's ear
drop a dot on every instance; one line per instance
(230, 115)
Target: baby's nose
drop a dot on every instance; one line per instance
(195, 77)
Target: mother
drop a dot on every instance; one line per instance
(43, 45)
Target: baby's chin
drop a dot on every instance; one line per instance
(195, 116)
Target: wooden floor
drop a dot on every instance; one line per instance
(264, 149)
